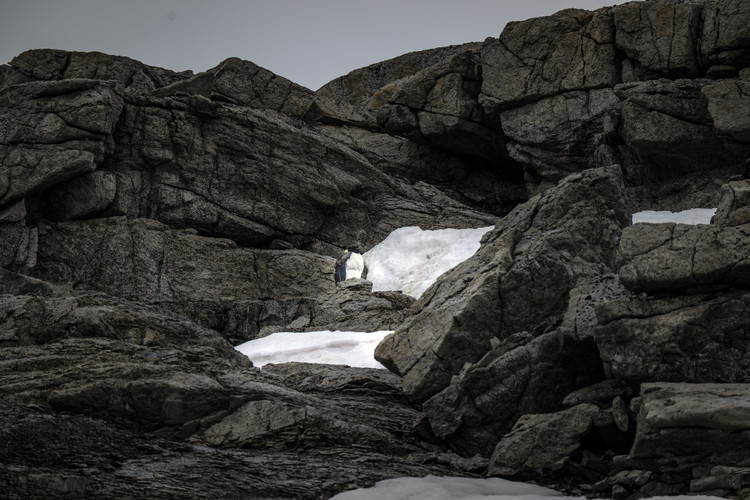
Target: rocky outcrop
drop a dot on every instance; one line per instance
(166, 216)
(518, 280)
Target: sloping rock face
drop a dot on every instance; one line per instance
(149, 220)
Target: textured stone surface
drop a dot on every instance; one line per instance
(660, 37)
(734, 206)
(53, 131)
(693, 419)
(356, 98)
(242, 82)
(551, 241)
(690, 338)
(542, 441)
(668, 257)
(558, 135)
(571, 50)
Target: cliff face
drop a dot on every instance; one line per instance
(151, 219)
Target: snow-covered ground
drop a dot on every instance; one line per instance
(411, 259)
(692, 216)
(335, 348)
(461, 488)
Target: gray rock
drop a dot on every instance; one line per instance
(559, 135)
(729, 106)
(661, 37)
(144, 260)
(81, 197)
(571, 50)
(542, 441)
(50, 64)
(724, 38)
(734, 206)
(51, 132)
(691, 338)
(242, 82)
(517, 280)
(261, 179)
(356, 98)
(672, 257)
(439, 106)
(693, 420)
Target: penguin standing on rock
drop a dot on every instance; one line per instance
(350, 265)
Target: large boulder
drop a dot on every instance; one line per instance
(261, 179)
(674, 153)
(439, 106)
(52, 64)
(571, 50)
(689, 338)
(519, 279)
(725, 42)
(558, 135)
(245, 83)
(356, 98)
(659, 38)
(51, 132)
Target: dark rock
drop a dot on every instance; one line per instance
(661, 37)
(542, 441)
(669, 257)
(734, 206)
(725, 40)
(556, 136)
(439, 106)
(242, 82)
(356, 98)
(486, 399)
(571, 50)
(81, 197)
(18, 242)
(691, 338)
(706, 422)
(551, 241)
(729, 106)
(51, 132)
(49, 64)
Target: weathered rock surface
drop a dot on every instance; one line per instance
(518, 280)
(356, 98)
(54, 131)
(691, 338)
(242, 82)
(165, 213)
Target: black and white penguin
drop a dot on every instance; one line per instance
(350, 265)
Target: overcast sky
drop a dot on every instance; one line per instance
(308, 41)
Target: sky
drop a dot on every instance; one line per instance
(307, 41)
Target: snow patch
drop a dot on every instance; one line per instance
(461, 488)
(692, 216)
(411, 259)
(330, 347)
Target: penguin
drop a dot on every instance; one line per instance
(350, 265)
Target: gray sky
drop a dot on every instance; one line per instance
(308, 41)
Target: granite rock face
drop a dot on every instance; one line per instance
(149, 220)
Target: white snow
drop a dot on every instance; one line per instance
(331, 347)
(692, 216)
(461, 488)
(411, 259)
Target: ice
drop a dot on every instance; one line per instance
(461, 488)
(331, 347)
(692, 216)
(411, 259)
